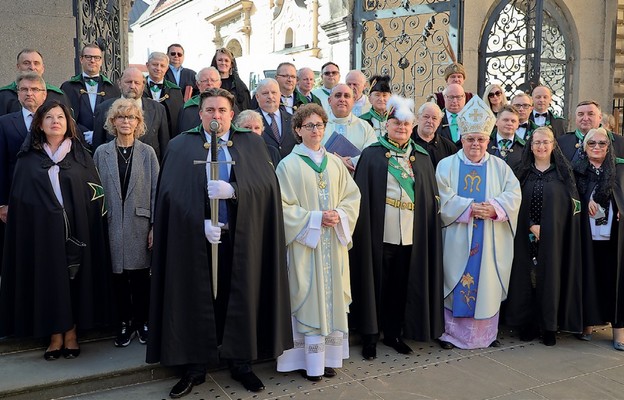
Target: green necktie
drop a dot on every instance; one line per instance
(453, 128)
(504, 144)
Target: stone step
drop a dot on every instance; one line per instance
(12, 345)
(101, 365)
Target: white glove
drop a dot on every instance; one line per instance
(213, 233)
(88, 135)
(220, 190)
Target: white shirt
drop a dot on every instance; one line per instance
(278, 119)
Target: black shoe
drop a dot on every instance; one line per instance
(495, 343)
(549, 338)
(369, 351)
(250, 381)
(51, 355)
(125, 335)
(70, 353)
(310, 378)
(445, 345)
(142, 334)
(329, 372)
(528, 332)
(398, 345)
(185, 385)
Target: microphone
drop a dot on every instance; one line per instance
(215, 125)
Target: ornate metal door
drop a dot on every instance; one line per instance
(525, 43)
(103, 22)
(406, 40)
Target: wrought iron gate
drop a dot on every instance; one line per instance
(101, 22)
(406, 39)
(525, 43)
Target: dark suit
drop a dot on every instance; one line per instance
(172, 99)
(445, 131)
(83, 115)
(512, 156)
(10, 104)
(187, 78)
(287, 139)
(156, 132)
(13, 132)
(557, 124)
(571, 145)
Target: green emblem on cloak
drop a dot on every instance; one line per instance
(576, 206)
(98, 192)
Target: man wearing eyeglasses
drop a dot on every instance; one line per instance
(89, 89)
(163, 91)
(330, 75)
(541, 115)
(523, 103)
(588, 115)
(504, 143)
(455, 100)
(28, 60)
(181, 76)
(480, 200)
(286, 77)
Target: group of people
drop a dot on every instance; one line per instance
(220, 228)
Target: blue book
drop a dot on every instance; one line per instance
(341, 145)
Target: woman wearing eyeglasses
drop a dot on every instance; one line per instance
(225, 63)
(129, 172)
(495, 97)
(600, 182)
(545, 285)
(55, 274)
(321, 204)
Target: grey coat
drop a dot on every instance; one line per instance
(129, 222)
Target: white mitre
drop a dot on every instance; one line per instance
(476, 117)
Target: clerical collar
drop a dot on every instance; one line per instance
(315, 155)
(343, 121)
(467, 161)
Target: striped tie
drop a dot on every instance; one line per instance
(274, 127)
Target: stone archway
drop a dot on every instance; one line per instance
(235, 47)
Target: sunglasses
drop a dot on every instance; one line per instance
(329, 73)
(495, 94)
(601, 144)
(174, 54)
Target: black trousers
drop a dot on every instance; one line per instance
(132, 292)
(394, 275)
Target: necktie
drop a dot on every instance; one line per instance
(29, 119)
(504, 144)
(274, 127)
(91, 80)
(525, 125)
(453, 128)
(155, 87)
(223, 176)
(537, 115)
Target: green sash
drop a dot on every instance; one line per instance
(313, 165)
(396, 170)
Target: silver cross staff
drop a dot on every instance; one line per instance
(214, 203)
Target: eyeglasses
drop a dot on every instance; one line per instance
(176, 54)
(458, 97)
(472, 140)
(92, 58)
(329, 73)
(524, 106)
(601, 144)
(209, 80)
(310, 127)
(33, 90)
(287, 76)
(126, 117)
(495, 94)
(538, 143)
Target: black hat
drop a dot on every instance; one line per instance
(380, 83)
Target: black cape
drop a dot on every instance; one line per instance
(182, 322)
(424, 318)
(35, 296)
(559, 263)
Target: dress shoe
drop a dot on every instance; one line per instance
(398, 345)
(445, 345)
(250, 381)
(329, 372)
(618, 345)
(71, 353)
(528, 333)
(495, 343)
(369, 351)
(549, 338)
(185, 385)
(51, 355)
(310, 378)
(586, 337)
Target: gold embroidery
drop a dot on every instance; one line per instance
(475, 181)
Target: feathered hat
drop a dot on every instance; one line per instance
(379, 83)
(400, 108)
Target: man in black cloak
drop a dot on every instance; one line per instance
(396, 259)
(250, 317)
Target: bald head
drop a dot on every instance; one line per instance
(356, 80)
(454, 97)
